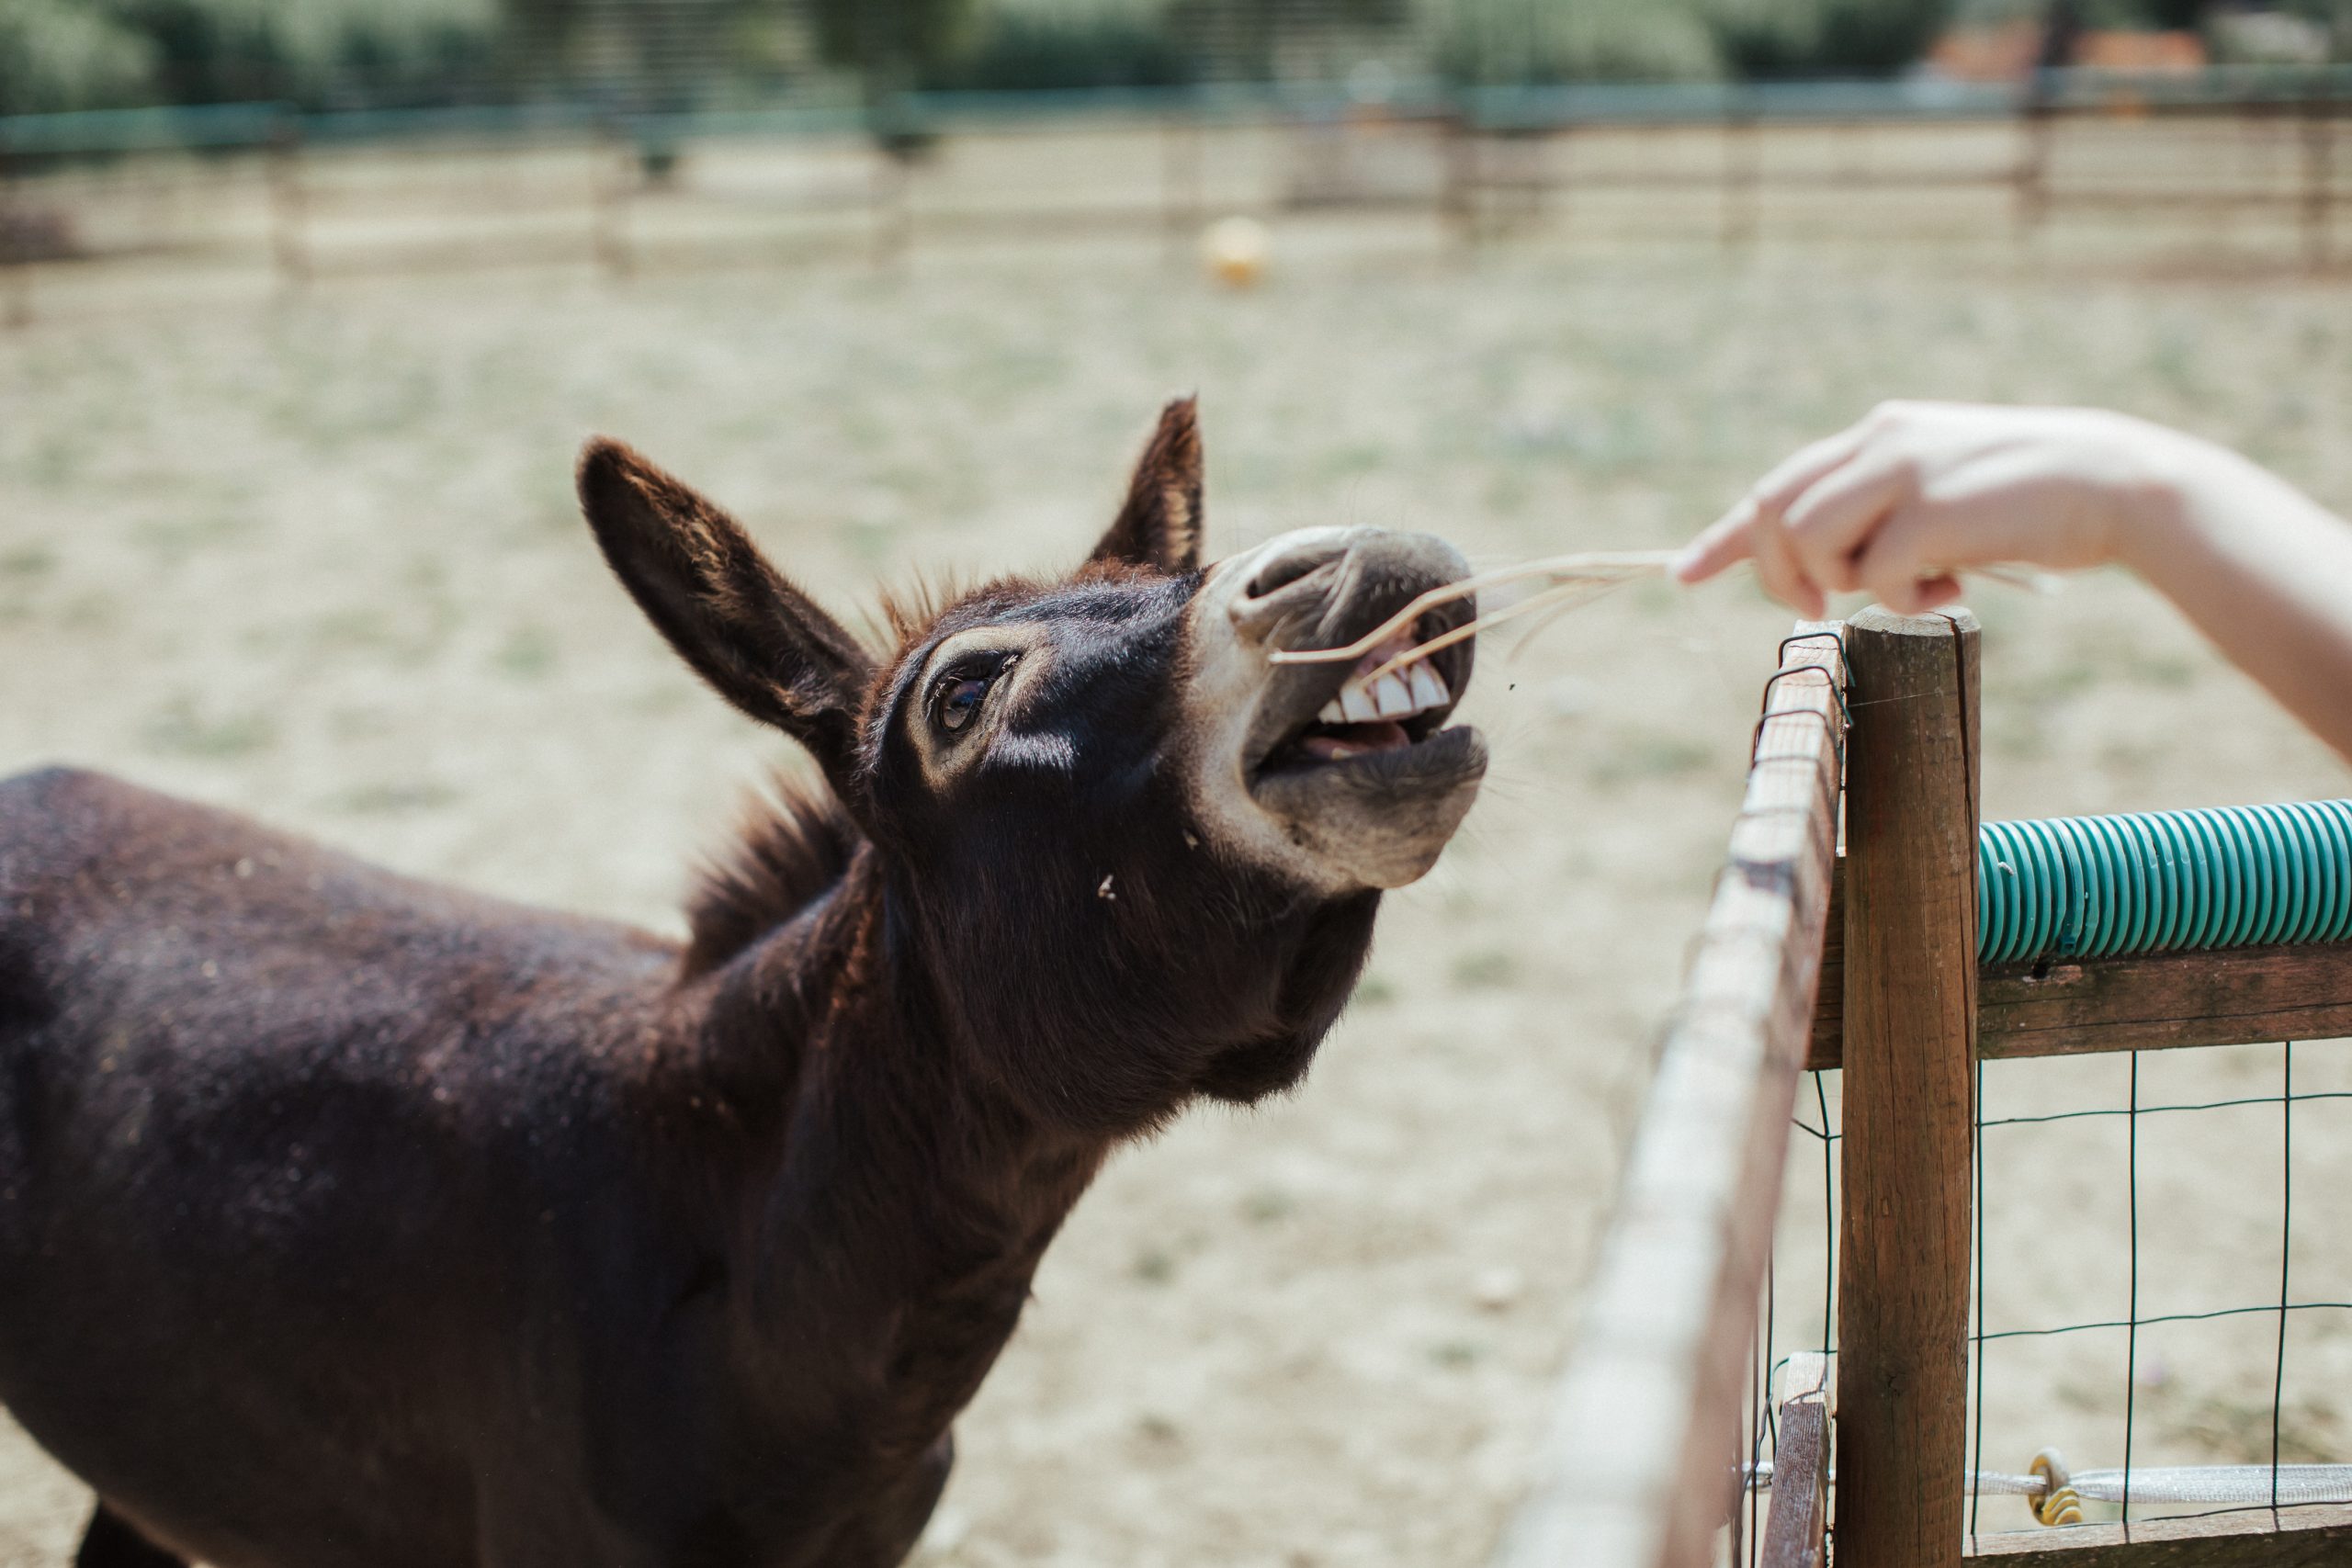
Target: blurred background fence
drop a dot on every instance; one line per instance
(2251, 151)
(320, 136)
(324, 135)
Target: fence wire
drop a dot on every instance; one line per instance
(2275, 1487)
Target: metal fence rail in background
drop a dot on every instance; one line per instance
(263, 185)
(1514, 163)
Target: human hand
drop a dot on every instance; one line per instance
(1903, 502)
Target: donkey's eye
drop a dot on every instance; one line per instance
(959, 700)
(960, 693)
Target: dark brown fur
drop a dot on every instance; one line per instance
(349, 1222)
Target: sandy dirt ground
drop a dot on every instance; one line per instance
(315, 558)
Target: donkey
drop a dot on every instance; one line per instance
(351, 1222)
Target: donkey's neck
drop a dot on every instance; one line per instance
(900, 1204)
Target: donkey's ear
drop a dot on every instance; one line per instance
(747, 630)
(1160, 525)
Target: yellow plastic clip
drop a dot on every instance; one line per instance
(2057, 1504)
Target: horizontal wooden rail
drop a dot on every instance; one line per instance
(1644, 1462)
(2293, 1537)
(2145, 1002)
(2231, 997)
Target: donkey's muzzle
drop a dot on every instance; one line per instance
(1355, 756)
(1329, 590)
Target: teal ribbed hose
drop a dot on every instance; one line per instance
(2152, 882)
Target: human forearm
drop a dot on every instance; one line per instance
(2260, 567)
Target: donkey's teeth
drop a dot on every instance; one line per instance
(1414, 689)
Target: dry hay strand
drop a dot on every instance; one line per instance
(1574, 580)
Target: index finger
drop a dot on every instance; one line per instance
(1731, 537)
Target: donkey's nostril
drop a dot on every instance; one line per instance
(1283, 570)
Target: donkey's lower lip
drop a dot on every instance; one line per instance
(1319, 744)
(1334, 742)
(1432, 757)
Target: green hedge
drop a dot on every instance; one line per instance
(71, 54)
(1037, 52)
(1759, 39)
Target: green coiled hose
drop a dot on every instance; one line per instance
(2157, 881)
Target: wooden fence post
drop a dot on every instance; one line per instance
(1742, 170)
(1183, 186)
(1559, 175)
(1910, 1022)
(2319, 175)
(1792, 1531)
(1457, 202)
(289, 203)
(615, 171)
(893, 223)
(18, 268)
(2029, 176)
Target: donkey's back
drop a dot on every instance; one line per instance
(284, 1141)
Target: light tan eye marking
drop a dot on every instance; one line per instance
(968, 682)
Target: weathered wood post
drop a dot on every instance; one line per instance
(2030, 175)
(16, 248)
(289, 202)
(1792, 1531)
(1560, 173)
(1743, 171)
(1910, 1027)
(616, 163)
(1457, 202)
(893, 222)
(2319, 172)
(1183, 182)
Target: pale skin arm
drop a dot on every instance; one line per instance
(1901, 503)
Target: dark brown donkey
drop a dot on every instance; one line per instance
(349, 1222)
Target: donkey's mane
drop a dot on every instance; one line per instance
(795, 840)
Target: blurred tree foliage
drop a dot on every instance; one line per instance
(673, 53)
(660, 54)
(1261, 40)
(1825, 37)
(1529, 42)
(59, 55)
(63, 54)
(1026, 52)
(890, 43)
